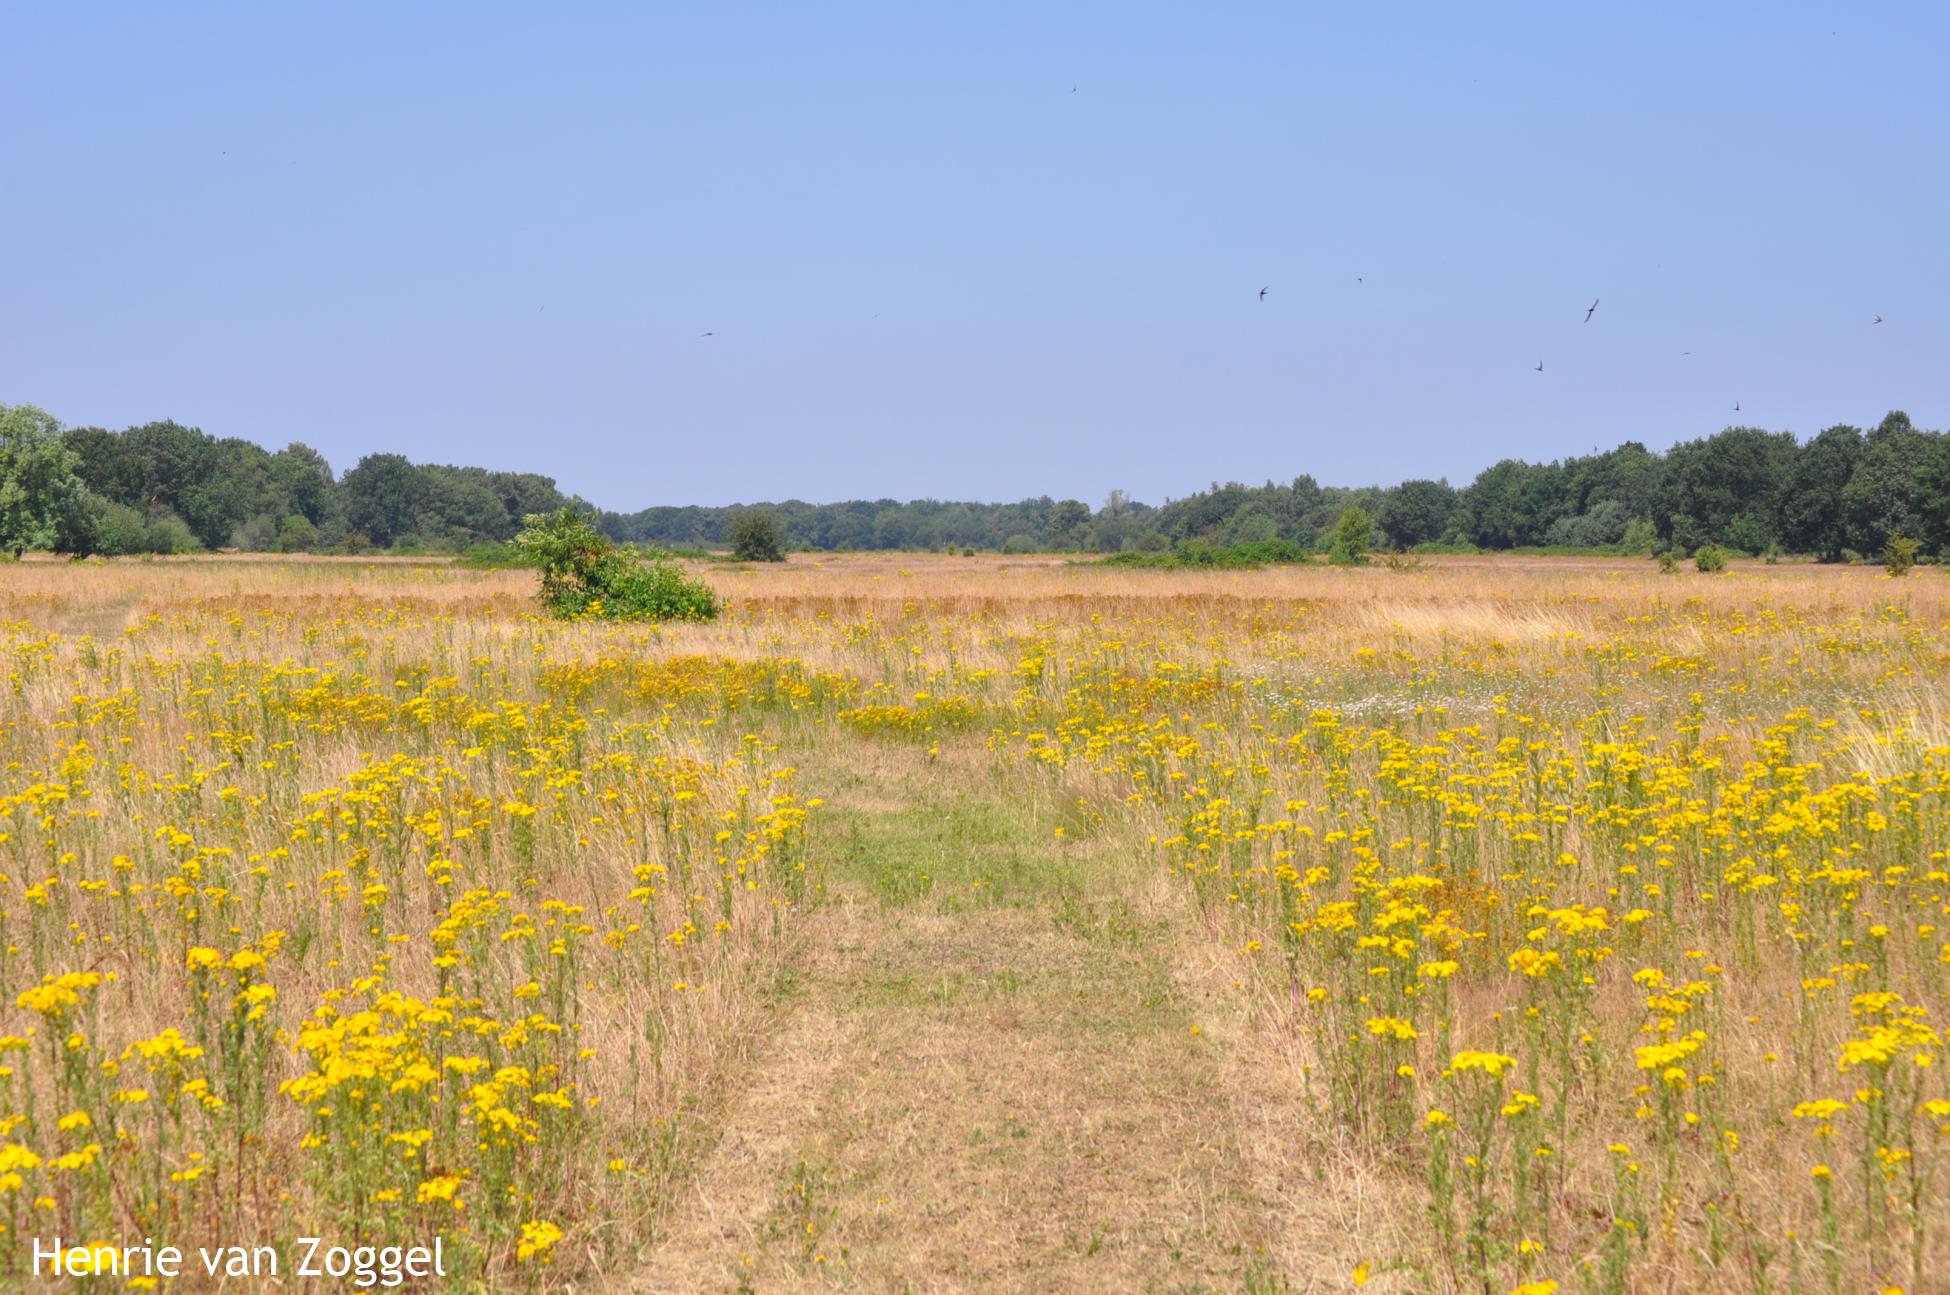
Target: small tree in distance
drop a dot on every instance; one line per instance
(1899, 555)
(755, 537)
(1353, 537)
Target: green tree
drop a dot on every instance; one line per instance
(384, 497)
(1353, 537)
(755, 536)
(1746, 533)
(305, 480)
(1899, 555)
(43, 503)
(175, 463)
(1491, 517)
(1708, 483)
(1814, 516)
(1069, 524)
(106, 466)
(459, 507)
(1416, 512)
(1889, 493)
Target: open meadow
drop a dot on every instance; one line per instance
(930, 923)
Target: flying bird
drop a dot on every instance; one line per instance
(1736, 406)
(1262, 294)
(1594, 310)
(1540, 366)
(1878, 319)
(707, 334)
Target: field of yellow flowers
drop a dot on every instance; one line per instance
(1593, 918)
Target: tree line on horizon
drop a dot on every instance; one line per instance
(165, 488)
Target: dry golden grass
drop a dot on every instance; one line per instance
(1073, 980)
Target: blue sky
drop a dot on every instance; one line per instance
(494, 234)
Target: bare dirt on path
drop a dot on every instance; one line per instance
(989, 1076)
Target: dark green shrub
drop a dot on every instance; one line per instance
(120, 529)
(257, 534)
(168, 533)
(585, 575)
(1710, 558)
(296, 534)
(1640, 537)
(755, 537)
(1746, 534)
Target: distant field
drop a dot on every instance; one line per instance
(939, 923)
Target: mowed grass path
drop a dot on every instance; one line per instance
(984, 1078)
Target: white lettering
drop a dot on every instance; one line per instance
(238, 1261)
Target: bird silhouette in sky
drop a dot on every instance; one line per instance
(1262, 294)
(707, 334)
(1736, 406)
(1540, 366)
(1594, 310)
(1878, 319)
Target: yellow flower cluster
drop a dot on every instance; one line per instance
(375, 919)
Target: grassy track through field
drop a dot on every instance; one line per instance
(985, 1078)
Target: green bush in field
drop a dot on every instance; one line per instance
(1203, 553)
(1710, 558)
(296, 534)
(585, 575)
(1899, 554)
(1640, 537)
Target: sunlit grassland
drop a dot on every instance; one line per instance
(1598, 911)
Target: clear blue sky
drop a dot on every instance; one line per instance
(493, 234)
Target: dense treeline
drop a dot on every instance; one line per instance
(1745, 489)
(163, 487)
